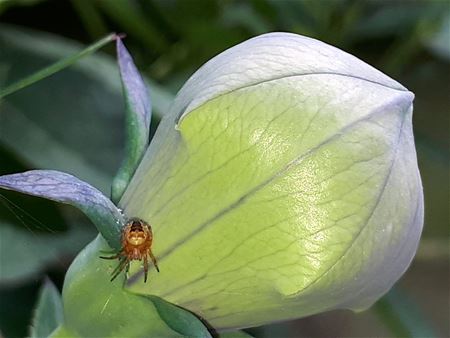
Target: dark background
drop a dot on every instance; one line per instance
(73, 122)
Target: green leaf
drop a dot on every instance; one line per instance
(179, 319)
(18, 249)
(59, 153)
(65, 188)
(94, 306)
(129, 16)
(48, 314)
(29, 225)
(4, 5)
(17, 303)
(395, 18)
(87, 97)
(243, 14)
(439, 41)
(54, 68)
(30, 122)
(138, 116)
(92, 21)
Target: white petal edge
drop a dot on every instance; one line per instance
(268, 57)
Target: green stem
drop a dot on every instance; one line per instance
(402, 316)
(56, 67)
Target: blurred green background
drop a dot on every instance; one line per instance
(73, 122)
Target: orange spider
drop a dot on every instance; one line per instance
(137, 240)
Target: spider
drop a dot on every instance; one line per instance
(137, 239)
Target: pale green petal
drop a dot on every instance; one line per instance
(284, 197)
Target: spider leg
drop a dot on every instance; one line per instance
(153, 260)
(127, 268)
(117, 255)
(123, 262)
(145, 268)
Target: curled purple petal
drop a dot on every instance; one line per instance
(65, 188)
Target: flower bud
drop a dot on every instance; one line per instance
(282, 183)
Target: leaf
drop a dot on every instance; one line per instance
(439, 41)
(65, 188)
(18, 249)
(395, 18)
(4, 5)
(243, 14)
(54, 68)
(129, 16)
(179, 319)
(48, 314)
(138, 116)
(58, 155)
(87, 97)
(17, 302)
(29, 225)
(30, 122)
(94, 306)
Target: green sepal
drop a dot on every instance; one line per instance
(138, 116)
(235, 334)
(63, 332)
(94, 306)
(48, 314)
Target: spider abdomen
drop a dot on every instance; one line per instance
(137, 240)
